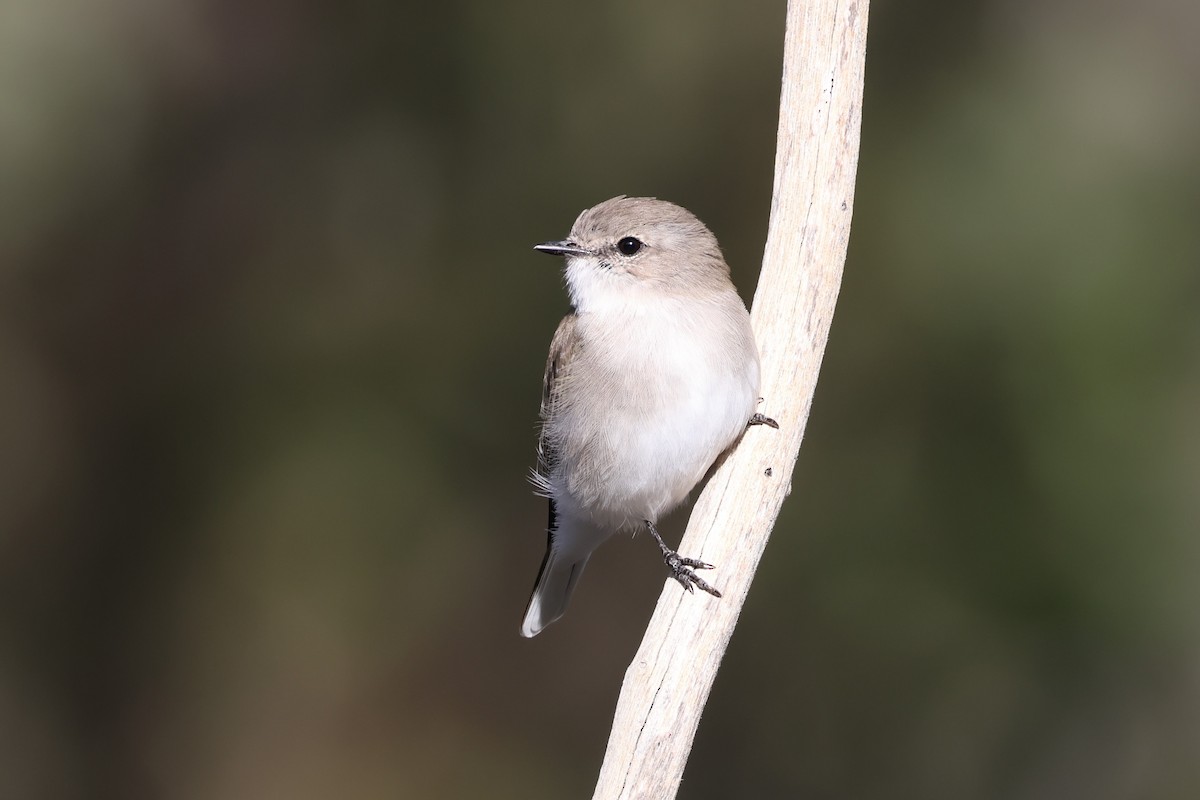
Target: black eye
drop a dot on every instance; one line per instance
(629, 245)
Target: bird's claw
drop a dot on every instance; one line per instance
(761, 419)
(682, 570)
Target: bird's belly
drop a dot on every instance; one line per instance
(657, 439)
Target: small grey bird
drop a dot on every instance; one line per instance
(652, 376)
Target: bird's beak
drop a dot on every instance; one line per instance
(563, 248)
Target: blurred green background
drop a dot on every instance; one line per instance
(271, 343)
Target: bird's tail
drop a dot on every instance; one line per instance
(567, 553)
(552, 592)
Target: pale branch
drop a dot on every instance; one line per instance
(820, 114)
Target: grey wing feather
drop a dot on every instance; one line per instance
(562, 350)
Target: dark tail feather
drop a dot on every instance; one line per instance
(552, 592)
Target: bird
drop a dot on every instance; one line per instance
(652, 375)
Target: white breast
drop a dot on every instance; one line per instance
(664, 390)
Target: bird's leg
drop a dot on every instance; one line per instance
(680, 566)
(759, 419)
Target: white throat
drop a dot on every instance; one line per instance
(597, 289)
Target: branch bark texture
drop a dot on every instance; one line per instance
(820, 114)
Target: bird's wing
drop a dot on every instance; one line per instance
(562, 350)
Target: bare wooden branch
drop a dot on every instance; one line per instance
(668, 683)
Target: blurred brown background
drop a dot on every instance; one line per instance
(271, 342)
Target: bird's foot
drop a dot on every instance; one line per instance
(682, 568)
(759, 419)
